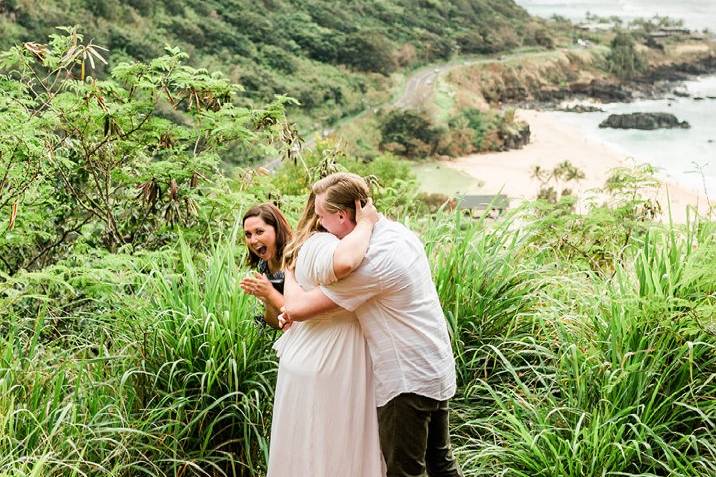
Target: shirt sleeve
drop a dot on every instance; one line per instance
(316, 258)
(357, 288)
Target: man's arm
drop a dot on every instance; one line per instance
(352, 248)
(300, 305)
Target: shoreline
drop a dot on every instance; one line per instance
(552, 142)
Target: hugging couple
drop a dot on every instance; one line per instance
(365, 363)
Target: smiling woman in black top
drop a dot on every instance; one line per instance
(266, 232)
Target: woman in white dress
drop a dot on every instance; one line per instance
(324, 419)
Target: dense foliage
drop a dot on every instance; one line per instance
(585, 347)
(624, 60)
(414, 134)
(409, 133)
(117, 162)
(298, 48)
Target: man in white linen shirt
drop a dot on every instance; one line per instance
(394, 298)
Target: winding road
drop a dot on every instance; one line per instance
(419, 86)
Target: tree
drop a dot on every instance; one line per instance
(408, 133)
(116, 162)
(624, 60)
(368, 51)
(557, 178)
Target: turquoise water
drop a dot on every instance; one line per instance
(683, 155)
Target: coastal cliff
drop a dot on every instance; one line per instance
(552, 77)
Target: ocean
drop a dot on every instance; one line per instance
(697, 14)
(687, 156)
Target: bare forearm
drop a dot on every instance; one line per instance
(296, 302)
(271, 316)
(303, 310)
(273, 303)
(275, 299)
(351, 250)
(302, 305)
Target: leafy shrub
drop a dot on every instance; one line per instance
(368, 51)
(278, 59)
(543, 38)
(473, 130)
(408, 133)
(480, 123)
(113, 162)
(623, 59)
(472, 42)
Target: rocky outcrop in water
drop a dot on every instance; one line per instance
(581, 108)
(643, 121)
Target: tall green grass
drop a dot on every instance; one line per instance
(207, 370)
(160, 374)
(486, 287)
(152, 365)
(65, 408)
(623, 381)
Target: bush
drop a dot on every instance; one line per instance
(278, 59)
(408, 133)
(475, 131)
(368, 51)
(543, 38)
(472, 42)
(623, 59)
(115, 163)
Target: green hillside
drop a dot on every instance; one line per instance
(333, 56)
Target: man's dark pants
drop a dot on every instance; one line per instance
(414, 437)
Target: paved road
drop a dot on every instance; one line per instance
(419, 87)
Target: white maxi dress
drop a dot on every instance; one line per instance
(325, 421)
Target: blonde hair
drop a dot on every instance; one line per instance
(307, 225)
(342, 189)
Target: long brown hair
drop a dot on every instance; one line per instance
(307, 225)
(270, 214)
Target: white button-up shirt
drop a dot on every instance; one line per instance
(394, 297)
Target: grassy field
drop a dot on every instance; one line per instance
(434, 177)
(151, 365)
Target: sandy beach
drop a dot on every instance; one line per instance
(553, 142)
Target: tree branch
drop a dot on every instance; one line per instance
(46, 249)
